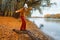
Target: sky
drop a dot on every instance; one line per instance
(51, 10)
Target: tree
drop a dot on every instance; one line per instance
(10, 6)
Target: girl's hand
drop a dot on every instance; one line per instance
(16, 11)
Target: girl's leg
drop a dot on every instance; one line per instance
(23, 26)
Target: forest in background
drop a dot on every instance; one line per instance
(8, 7)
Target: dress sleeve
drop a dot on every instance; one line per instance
(20, 10)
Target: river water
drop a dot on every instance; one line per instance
(49, 26)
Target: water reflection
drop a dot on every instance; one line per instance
(50, 26)
(52, 20)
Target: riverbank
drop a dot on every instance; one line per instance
(9, 23)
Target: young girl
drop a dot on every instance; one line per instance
(22, 12)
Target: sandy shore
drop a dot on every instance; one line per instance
(9, 23)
